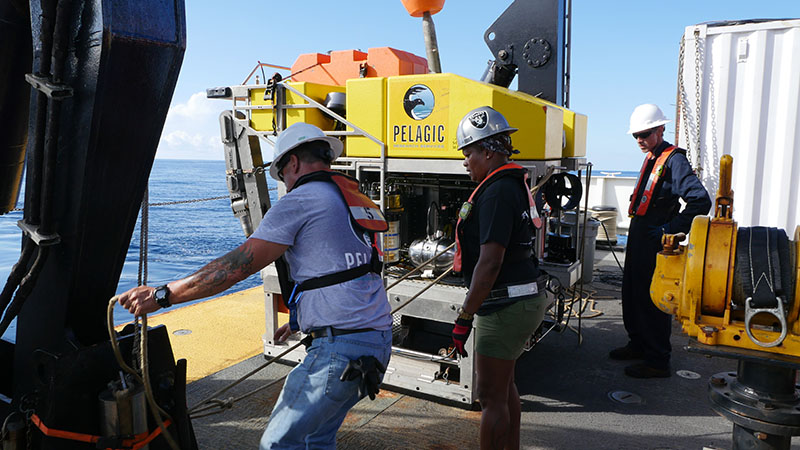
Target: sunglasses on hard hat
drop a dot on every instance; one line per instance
(643, 134)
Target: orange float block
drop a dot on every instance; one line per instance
(340, 66)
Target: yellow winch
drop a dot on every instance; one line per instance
(732, 286)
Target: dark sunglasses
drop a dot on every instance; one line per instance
(280, 165)
(642, 134)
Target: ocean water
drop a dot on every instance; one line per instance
(615, 173)
(181, 237)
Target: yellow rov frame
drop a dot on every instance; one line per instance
(402, 128)
(382, 107)
(695, 284)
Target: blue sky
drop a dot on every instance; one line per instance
(624, 53)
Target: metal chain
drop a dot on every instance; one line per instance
(683, 101)
(697, 57)
(180, 202)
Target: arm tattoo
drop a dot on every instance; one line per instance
(225, 270)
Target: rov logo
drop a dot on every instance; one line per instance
(479, 119)
(418, 101)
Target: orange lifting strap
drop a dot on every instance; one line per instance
(137, 442)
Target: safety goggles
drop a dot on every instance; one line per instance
(642, 134)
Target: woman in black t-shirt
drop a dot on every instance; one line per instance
(494, 235)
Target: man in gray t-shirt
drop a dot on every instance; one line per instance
(350, 321)
(313, 221)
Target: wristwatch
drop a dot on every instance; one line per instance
(161, 294)
(462, 314)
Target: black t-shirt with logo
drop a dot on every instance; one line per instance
(500, 214)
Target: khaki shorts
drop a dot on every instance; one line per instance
(502, 334)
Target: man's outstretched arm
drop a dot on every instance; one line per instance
(211, 279)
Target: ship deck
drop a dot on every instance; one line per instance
(573, 396)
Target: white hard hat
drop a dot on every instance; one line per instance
(645, 117)
(481, 123)
(297, 134)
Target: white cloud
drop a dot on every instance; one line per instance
(198, 104)
(191, 130)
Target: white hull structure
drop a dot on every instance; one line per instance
(611, 190)
(748, 75)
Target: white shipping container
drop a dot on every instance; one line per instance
(748, 78)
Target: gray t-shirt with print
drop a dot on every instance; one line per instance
(314, 222)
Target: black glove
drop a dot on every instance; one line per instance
(369, 370)
(461, 331)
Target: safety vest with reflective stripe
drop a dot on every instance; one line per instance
(362, 210)
(638, 206)
(466, 208)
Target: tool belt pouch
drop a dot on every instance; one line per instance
(306, 341)
(368, 372)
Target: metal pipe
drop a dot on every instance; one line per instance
(583, 242)
(60, 45)
(419, 267)
(426, 356)
(17, 272)
(32, 214)
(36, 161)
(25, 288)
(568, 56)
(431, 46)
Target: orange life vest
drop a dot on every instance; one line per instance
(362, 210)
(466, 208)
(638, 206)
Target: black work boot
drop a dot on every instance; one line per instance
(626, 353)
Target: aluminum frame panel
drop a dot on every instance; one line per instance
(749, 79)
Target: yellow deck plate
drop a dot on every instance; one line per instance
(224, 331)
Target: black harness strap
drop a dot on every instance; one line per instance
(763, 257)
(760, 264)
(375, 265)
(284, 279)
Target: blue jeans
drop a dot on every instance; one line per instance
(313, 402)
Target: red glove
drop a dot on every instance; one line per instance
(461, 332)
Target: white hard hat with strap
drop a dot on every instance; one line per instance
(645, 117)
(296, 135)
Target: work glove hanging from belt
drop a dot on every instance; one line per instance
(369, 370)
(461, 331)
